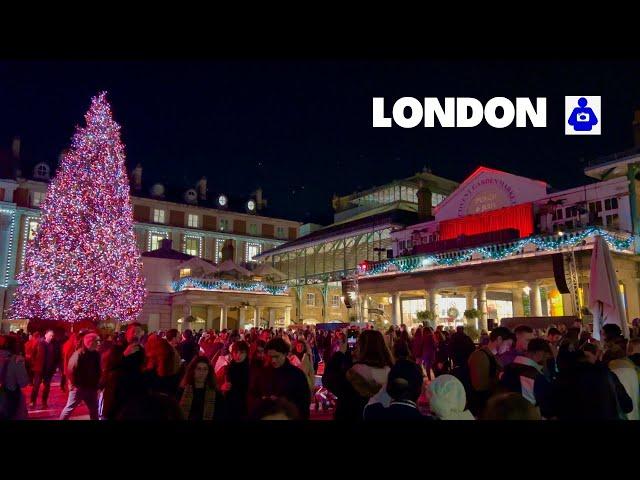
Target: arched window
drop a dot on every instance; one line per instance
(41, 171)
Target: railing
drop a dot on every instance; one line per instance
(190, 283)
(616, 240)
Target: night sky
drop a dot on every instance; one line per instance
(302, 129)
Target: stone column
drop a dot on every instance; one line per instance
(432, 306)
(469, 298)
(365, 309)
(518, 307)
(396, 316)
(482, 306)
(534, 299)
(287, 316)
(210, 316)
(242, 316)
(272, 317)
(186, 313)
(256, 316)
(223, 316)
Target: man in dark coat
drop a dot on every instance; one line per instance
(45, 362)
(188, 348)
(283, 380)
(83, 372)
(460, 347)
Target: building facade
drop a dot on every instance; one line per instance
(198, 223)
(510, 246)
(315, 264)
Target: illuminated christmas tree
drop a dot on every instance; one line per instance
(83, 263)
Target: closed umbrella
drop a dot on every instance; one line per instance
(605, 300)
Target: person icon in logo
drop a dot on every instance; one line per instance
(582, 118)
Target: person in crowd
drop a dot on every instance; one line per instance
(236, 385)
(510, 406)
(73, 343)
(162, 366)
(586, 389)
(523, 333)
(188, 347)
(45, 362)
(390, 338)
(279, 409)
(334, 379)
(417, 345)
(13, 377)
(122, 378)
(83, 372)
(404, 387)
(461, 346)
(30, 352)
(634, 331)
(59, 341)
(621, 365)
(484, 338)
(563, 329)
(484, 369)
(301, 357)
(372, 362)
(634, 353)
(173, 337)
(199, 396)
(402, 351)
(282, 380)
(428, 351)
(525, 376)
(442, 363)
(447, 399)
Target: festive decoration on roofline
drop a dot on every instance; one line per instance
(492, 252)
(83, 263)
(226, 285)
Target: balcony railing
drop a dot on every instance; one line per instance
(619, 241)
(237, 286)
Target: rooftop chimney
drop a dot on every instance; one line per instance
(636, 128)
(260, 202)
(15, 147)
(136, 177)
(424, 201)
(201, 186)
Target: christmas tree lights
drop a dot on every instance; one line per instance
(83, 263)
(218, 284)
(494, 252)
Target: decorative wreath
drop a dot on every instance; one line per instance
(453, 312)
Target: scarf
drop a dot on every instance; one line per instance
(209, 402)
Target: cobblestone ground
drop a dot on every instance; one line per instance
(58, 399)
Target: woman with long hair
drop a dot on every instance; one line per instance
(301, 357)
(162, 365)
(200, 398)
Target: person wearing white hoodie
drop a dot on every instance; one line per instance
(447, 399)
(619, 363)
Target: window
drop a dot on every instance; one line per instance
(311, 299)
(611, 204)
(224, 225)
(192, 246)
(251, 250)
(155, 241)
(253, 229)
(41, 171)
(571, 212)
(595, 207)
(192, 221)
(185, 272)
(280, 232)
(158, 215)
(401, 244)
(335, 301)
(218, 253)
(33, 228)
(38, 198)
(613, 221)
(559, 214)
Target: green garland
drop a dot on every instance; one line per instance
(225, 285)
(496, 252)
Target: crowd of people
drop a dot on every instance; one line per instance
(401, 374)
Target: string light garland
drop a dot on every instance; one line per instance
(12, 215)
(83, 263)
(493, 252)
(187, 283)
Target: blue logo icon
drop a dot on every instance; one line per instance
(582, 118)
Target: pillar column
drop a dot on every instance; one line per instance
(186, 313)
(287, 316)
(534, 299)
(365, 309)
(397, 313)
(210, 316)
(482, 306)
(469, 297)
(256, 316)
(223, 316)
(516, 302)
(272, 317)
(242, 316)
(432, 306)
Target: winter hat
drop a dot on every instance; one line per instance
(88, 339)
(448, 398)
